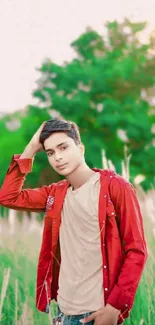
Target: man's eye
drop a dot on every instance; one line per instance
(50, 154)
(64, 147)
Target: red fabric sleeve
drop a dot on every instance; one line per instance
(131, 230)
(11, 193)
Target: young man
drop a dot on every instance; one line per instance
(93, 248)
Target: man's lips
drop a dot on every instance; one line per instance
(61, 166)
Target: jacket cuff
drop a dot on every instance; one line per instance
(120, 300)
(25, 164)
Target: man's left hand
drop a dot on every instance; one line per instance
(104, 316)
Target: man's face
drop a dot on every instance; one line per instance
(60, 150)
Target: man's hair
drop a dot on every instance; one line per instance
(57, 125)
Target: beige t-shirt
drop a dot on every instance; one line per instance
(80, 279)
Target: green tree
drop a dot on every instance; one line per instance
(103, 90)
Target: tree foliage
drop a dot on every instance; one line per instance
(105, 91)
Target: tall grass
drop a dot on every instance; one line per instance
(19, 249)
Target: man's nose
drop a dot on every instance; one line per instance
(58, 156)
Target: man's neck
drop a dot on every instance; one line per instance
(80, 176)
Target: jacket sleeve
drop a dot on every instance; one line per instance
(13, 196)
(131, 231)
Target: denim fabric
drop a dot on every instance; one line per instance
(62, 319)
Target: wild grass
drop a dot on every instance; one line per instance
(19, 249)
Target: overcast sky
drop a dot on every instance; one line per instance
(31, 30)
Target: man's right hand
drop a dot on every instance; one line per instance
(34, 145)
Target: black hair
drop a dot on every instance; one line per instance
(58, 125)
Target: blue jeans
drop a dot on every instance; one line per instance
(62, 319)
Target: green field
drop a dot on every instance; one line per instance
(19, 245)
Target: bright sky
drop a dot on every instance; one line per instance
(31, 30)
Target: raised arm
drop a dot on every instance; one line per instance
(11, 193)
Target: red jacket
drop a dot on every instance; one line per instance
(122, 236)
